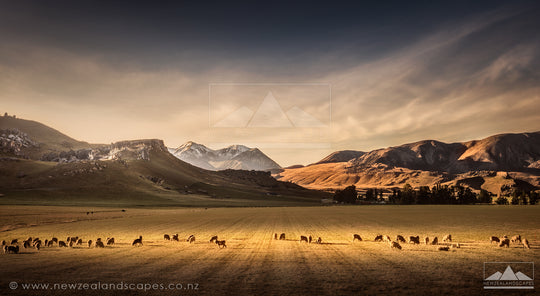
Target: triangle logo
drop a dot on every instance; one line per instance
(508, 275)
(494, 277)
(239, 118)
(522, 277)
(301, 118)
(270, 114)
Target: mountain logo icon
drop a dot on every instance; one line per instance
(508, 275)
(270, 114)
(509, 279)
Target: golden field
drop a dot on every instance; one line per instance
(253, 262)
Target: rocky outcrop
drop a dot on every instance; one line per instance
(13, 141)
(123, 150)
(136, 149)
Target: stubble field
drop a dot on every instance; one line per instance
(253, 262)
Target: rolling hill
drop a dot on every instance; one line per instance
(34, 139)
(125, 173)
(505, 159)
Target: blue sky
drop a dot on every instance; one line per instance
(400, 71)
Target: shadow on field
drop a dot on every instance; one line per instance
(332, 244)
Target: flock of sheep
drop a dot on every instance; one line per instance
(505, 241)
(71, 241)
(447, 239)
(395, 244)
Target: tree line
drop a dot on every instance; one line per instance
(438, 194)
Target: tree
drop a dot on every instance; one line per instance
(523, 199)
(408, 195)
(393, 197)
(371, 195)
(514, 200)
(465, 195)
(484, 196)
(501, 200)
(347, 195)
(423, 196)
(533, 197)
(442, 194)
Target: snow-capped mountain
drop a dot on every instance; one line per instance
(236, 157)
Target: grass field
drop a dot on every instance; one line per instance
(256, 264)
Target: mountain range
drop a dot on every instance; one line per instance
(40, 165)
(237, 157)
(487, 163)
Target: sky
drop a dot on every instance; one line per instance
(320, 76)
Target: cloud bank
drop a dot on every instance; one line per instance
(468, 78)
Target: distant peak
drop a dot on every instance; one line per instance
(238, 147)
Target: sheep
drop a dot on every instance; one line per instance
(110, 241)
(54, 239)
(303, 239)
(494, 239)
(71, 244)
(166, 237)
(175, 237)
(310, 239)
(356, 237)
(14, 241)
(213, 238)
(505, 242)
(387, 239)
(221, 244)
(89, 243)
(3, 243)
(447, 238)
(516, 239)
(99, 243)
(414, 240)
(46, 242)
(62, 244)
(50, 243)
(74, 239)
(282, 236)
(37, 245)
(68, 239)
(426, 240)
(435, 241)
(378, 238)
(79, 242)
(444, 248)
(275, 236)
(525, 243)
(136, 242)
(191, 239)
(395, 245)
(26, 244)
(400, 238)
(319, 240)
(36, 242)
(11, 249)
(35, 239)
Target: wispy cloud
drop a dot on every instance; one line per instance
(469, 79)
